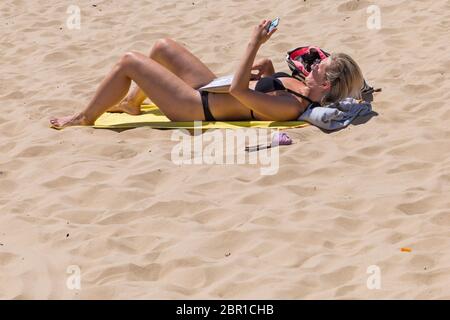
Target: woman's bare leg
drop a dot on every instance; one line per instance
(131, 104)
(179, 61)
(177, 100)
(112, 89)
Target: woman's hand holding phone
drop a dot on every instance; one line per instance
(273, 24)
(261, 32)
(240, 84)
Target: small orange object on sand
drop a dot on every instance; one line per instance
(405, 249)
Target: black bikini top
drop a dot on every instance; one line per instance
(272, 83)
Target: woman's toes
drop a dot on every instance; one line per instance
(75, 120)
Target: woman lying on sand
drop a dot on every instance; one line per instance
(171, 75)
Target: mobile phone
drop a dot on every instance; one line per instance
(273, 24)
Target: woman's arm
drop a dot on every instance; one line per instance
(279, 108)
(242, 77)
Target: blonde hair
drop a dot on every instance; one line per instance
(345, 77)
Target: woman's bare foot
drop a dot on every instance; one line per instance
(64, 122)
(127, 107)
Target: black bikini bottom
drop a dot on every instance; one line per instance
(205, 102)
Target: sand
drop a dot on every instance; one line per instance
(138, 226)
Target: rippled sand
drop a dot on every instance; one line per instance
(139, 226)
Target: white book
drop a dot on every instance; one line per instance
(219, 85)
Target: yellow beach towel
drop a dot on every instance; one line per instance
(152, 117)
